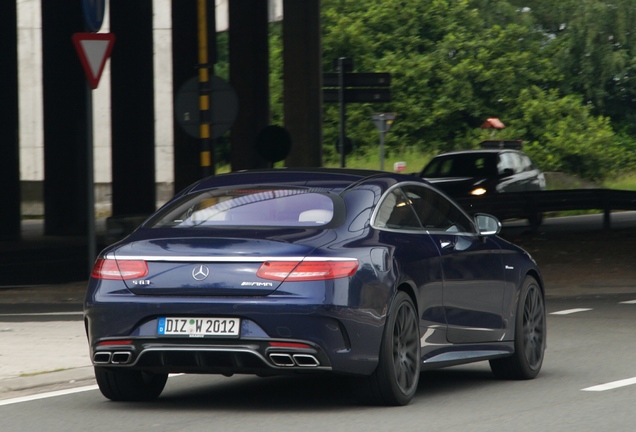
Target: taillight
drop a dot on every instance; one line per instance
(298, 271)
(119, 270)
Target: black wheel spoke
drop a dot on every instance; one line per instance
(530, 336)
(397, 375)
(533, 323)
(405, 347)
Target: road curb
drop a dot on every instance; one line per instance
(47, 379)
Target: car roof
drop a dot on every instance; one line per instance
(333, 178)
(479, 151)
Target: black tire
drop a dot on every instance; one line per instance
(530, 336)
(129, 385)
(395, 380)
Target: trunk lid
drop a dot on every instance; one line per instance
(206, 266)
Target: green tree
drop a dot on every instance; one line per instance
(562, 134)
(452, 66)
(593, 44)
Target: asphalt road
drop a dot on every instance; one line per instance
(588, 383)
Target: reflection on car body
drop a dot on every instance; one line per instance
(370, 274)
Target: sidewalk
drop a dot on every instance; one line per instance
(42, 355)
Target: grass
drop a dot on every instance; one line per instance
(625, 181)
(415, 161)
(562, 181)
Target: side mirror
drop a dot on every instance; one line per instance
(487, 225)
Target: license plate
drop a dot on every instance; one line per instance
(199, 327)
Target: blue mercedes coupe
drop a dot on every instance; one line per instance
(365, 273)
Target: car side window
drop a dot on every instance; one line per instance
(396, 212)
(527, 163)
(507, 164)
(502, 164)
(517, 162)
(446, 167)
(436, 212)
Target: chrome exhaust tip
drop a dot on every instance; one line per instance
(282, 359)
(102, 358)
(121, 357)
(306, 360)
(292, 360)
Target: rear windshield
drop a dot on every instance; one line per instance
(249, 207)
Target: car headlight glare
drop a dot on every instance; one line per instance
(478, 191)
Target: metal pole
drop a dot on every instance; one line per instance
(207, 163)
(383, 122)
(90, 181)
(341, 138)
(382, 149)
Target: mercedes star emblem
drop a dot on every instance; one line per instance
(200, 272)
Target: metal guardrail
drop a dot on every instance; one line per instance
(526, 204)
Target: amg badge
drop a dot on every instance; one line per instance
(257, 284)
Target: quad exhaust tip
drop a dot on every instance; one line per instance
(306, 360)
(116, 358)
(294, 360)
(285, 360)
(102, 358)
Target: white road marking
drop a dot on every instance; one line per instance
(629, 302)
(47, 395)
(59, 393)
(612, 385)
(571, 311)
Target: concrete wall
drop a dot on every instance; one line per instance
(31, 117)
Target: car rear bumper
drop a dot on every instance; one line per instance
(337, 339)
(179, 356)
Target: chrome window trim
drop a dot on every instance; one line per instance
(206, 258)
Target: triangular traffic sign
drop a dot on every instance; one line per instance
(93, 50)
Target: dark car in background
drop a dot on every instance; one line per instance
(368, 274)
(498, 167)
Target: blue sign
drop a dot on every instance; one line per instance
(93, 11)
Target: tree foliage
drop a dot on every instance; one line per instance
(593, 44)
(560, 74)
(563, 135)
(557, 73)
